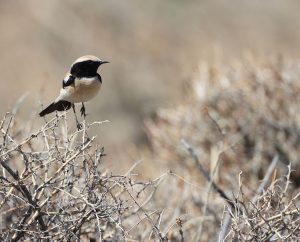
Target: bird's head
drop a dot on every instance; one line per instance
(86, 66)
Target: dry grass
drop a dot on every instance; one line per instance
(222, 167)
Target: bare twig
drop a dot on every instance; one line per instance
(206, 174)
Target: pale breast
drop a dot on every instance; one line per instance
(83, 90)
(86, 89)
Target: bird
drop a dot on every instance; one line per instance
(80, 84)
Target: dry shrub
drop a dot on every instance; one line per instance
(270, 216)
(241, 114)
(235, 118)
(54, 187)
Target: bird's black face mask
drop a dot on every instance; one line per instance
(85, 68)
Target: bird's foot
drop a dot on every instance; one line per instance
(79, 126)
(82, 111)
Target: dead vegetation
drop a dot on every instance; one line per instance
(235, 119)
(52, 186)
(272, 215)
(225, 159)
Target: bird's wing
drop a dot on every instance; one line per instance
(68, 80)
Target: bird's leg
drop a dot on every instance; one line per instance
(79, 126)
(82, 110)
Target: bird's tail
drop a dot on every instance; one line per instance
(56, 106)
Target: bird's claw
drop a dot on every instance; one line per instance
(82, 111)
(79, 126)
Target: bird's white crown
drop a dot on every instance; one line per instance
(86, 58)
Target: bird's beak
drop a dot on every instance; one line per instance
(103, 62)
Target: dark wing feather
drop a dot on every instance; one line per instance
(68, 80)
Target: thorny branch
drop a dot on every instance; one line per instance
(52, 186)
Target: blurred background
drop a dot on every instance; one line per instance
(153, 46)
(223, 75)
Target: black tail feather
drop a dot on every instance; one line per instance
(59, 106)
